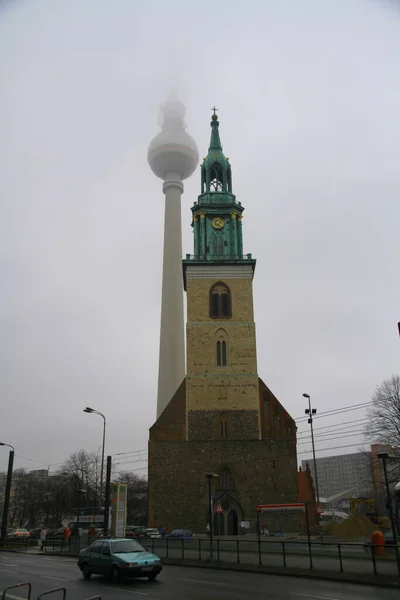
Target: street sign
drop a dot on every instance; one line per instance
(218, 508)
(298, 506)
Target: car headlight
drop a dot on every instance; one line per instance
(157, 562)
(134, 564)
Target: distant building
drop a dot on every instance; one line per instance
(343, 472)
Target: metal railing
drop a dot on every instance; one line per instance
(59, 591)
(335, 556)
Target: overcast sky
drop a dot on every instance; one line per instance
(308, 96)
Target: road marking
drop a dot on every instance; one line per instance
(55, 578)
(311, 596)
(124, 590)
(203, 581)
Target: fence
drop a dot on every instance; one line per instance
(340, 557)
(60, 592)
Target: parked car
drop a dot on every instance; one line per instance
(18, 533)
(152, 532)
(117, 559)
(181, 534)
(35, 533)
(133, 531)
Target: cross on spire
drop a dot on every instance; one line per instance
(214, 109)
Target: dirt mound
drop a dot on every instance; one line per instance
(357, 526)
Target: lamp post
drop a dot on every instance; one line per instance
(8, 491)
(96, 412)
(210, 477)
(313, 411)
(384, 456)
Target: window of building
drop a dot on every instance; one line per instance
(220, 301)
(221, 353)
(225, 481)
(223, 426)
(216, 179)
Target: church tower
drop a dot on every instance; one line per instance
(223, 419)
(222, 380)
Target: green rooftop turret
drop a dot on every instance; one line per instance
(217, 216)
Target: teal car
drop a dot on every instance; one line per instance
(117, 559)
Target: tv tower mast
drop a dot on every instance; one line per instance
(173, 156)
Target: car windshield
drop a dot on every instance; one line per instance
(123, 546)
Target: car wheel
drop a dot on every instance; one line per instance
(152, 576)
(86, 572)
(115, 574)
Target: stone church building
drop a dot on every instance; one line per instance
(223, 419)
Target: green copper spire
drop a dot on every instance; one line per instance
(216, 176)
(217, 216)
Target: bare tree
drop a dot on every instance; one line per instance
(383, 425)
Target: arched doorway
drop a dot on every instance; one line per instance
(227, 522)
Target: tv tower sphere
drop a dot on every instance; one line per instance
(173, 156)
(173, 150)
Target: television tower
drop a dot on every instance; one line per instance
(173, 156)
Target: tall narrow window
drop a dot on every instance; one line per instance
(219, 355)
(222, 359)
(225, 481)
(223, 354)
(223, 426)
(220, 301)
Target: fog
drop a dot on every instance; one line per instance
(308, 96)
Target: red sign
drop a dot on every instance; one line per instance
(218, 508)
(264, 508)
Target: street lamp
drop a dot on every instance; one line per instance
(210, 477)
(384, 456)
(96, 412)
(8, 491)
(313, 411)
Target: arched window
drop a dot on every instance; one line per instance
(220, 301)
(225, 481)
(221, 354)
(221, 431)
(216, 179)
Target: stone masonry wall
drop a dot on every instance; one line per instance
(204, 425)
(262, 471)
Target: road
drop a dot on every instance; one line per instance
(174, 583)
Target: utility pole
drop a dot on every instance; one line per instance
(7, 492)
(107, 497)
(313, 411)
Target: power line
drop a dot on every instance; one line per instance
(331, 448)
(335, 411)
(339, 437)
(334, 425)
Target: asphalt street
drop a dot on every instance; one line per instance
(174, 583)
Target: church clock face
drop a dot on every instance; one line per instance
(217, 222)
